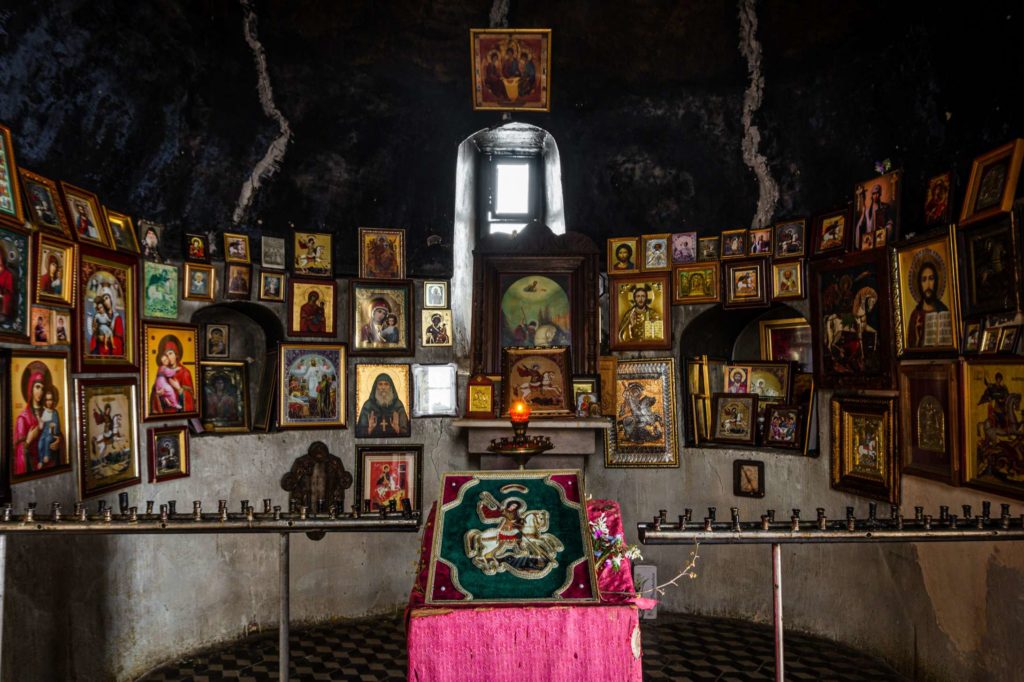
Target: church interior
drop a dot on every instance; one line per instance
(511, 340)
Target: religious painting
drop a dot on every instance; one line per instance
(586, 395)
(482, 397)
(511, 69)
(236, 248)
(435, 294)
(10, 197)
(387, 474)
(382, 398)
(314, 254)
(169, 456)
(199, 283)
(311, 380)
(734, 244)
(734, 418)
(45, 209)
(62, 327)
(643, 432)
(993, 457)
(787, 340)
(87, 220)
(864, 445)
(791, 239)
(747, 478)
(225, 397)
(108, 451)
(381, 253)
(540, 377)
(696, 283)
(759, 241)
(122, 231)
(37, 412)
(972, 337)
(272, 253)
(925, 297)
(832, 233)
(851, 322)
(622, 254)
(436, 388)
(106, 322)
(55, 270)
(197, 248)
(42, 326)
(767, 379)
(435, 328)
(938, 209)
(684, 248)
(990, 340)
(160, 298)
(217, 341)
(312, 307)
(737, 379)
(272, 286)
(745, 284)
(168, 371)
(877, 211)
(640, 312)
(15, 265)
(708, 248)
(656, 252)
(989, 256)
(930, 408)
(238, 281)
(152, 244)
(380, 318)
(993, 183)
(535, 309)
(783, 427)
(788, 280)
(1008, 338)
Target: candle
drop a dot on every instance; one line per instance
(520, 412)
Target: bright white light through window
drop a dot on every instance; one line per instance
(513, 190)
(506, 228)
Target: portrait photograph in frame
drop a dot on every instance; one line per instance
(169, 456)
(56, 267)
(640, 312)
(37, 383)
(380, 318)
(106, 322)
(925, 300)
(435, 328)
(788, 280)
(225, 404)
(791, 239)
(197, 248)
(86, 216)
(44, 207)
(272, 286)
(511, 69)
(759, 241)
(930, 408)
(747, 478)
(236, 248)
(312, 385)
(10, 197)
(993, 454)
(108, 452)
(312, 307)
(877, 210)
(160, 292)
(15, 266)
(435, 294)
(746, 284)
(623, 253)
(696, 283)
(381, 253)
(272, 253)
(684, 248)
(122, 231)
(864, 446)
(734, 244)
(656, 250)
(151, 237)
(993, 183)
(644, 425)
(382, 399)
(436, 390)
(708, 248)
(216, 341)
(540, 377)
(237, 281)
(199, 283)
(386, 474)
(938, 205)
(169, 369)
(314, 254)
(734, 418)
(42, 326)
(787, 340)
(783, 427)
(985, 288)
(832, 233)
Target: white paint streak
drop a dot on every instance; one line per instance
(271, 161)
(499, 14)
(768, 190)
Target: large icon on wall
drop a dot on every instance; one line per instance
(993, 453)
(312, 385)
(644, 431)
(106, 329)
(535, 310)
(925, 296)
(107, 444)
(511, 69)
(37, 410)
(383, 396)
(380, 320)
(169, 371)
(640, 309)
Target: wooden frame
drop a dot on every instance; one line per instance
(236, 248)
(1008, 338)
(645, 392)
(790, 239)
(172, 389)
(919, 267)
(86, 217)
(216, 348)
(734, 244)
(371, 305)
(788, 280)
(197, 248)
(930, 405)
(122, 231)
(297, 406)
(435, 294)
(736, 284)
(541, 377)
(160, 439)
(272, 286)
(112, 277)
(684, 248)
(107, 438)
(44, 207)
(865, 450)
(640, 322)
(786, 350)
(378, 483)
(223, 412)
(708, 249)
(978, 248)
(747, 478)
(54, 375)
(832, 232)
(53, 251)
(993, 183)
(886, 211)
(684, 279)
(790, 437)
(314, 254)
(202, 288)
(376, 420)
(759, 242)
(10, 199)
(41, 324)
(160, 285)
(151, 240)
(993, 456)
(381, 253)
(312, 307)
(734, 408)
(495, 83)
(628, 260)
(16, 264)
(656, 250)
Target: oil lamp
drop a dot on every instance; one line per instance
(521, 447)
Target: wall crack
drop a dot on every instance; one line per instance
(750, 48)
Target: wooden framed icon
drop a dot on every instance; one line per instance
(745, 284)
(381, 253)
(88, 222)
(747, 478)
(788, 280)
(122, 231)
(11, 211)
(197, 248)
(272, 286)
(312, 307)
(832, 233)
(237, 281)
(993, 183)
(734, 418)
(734, 244)
(236, 248)
(41, 322)
(383, 394)
(540, 377)
(272, 253)
(877, 211)
(200, 282)
(44, 206)
(930, 433)
(56, 269)
(169, 456)
(641, 312)
(435, 328)
(696, 283)
(217, 341)
(864, 447)
(160, 286)
(657, 255)
(314, 254)
(107, 444)
(925, 304)
(708, 248)
(107, 322)
(312, 385)
(37, 400)
(387, 474)
(169, 368)
(225, 404)
(622, 255)
(511, 69)
(380, 320)
(684, 248)
(790, 239)
(759, 241)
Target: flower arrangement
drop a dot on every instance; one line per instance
(610, 550)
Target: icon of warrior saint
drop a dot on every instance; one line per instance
(520, 544)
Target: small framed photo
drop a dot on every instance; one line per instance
(759, 241)
(436, 388)
(436, 328)
(56, 266)
(312, 385)
(239, 281)
(511, 69)
(788, 280)
(708, 248)
(107, 431)
(382, 394)
(62, 327)
(938, 209)
(791, 239)
(877, 211)
(272, 286)
(380, 317)
(747, 478)
(832, 233)
(314, 254)
(1008, 338)
(435, 294)
(864, 447)
(972, 337)
(152, 240)
(122, 231)
(734, 418)
(539, 377)
(160, 293)
(236, 248)
(87, 220)
(312, 307)
(168, 453)
(696, 283)
(217, 339)
(990, 340)
(588, 383)
(783, 427)
(734, 244)
(197, 248)
(656, 252)
(745, 285)
(272, 253)
(588, 405)
(381, 253)
(169, 359)
(199, 282)
(225, 397)
(42, 326)
(44, 208)
(622, 254)
(684, 248)
(386, 474)
(993, 183)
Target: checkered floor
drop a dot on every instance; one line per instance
(675, 648)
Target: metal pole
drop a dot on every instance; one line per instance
(282, 631)
(3, 594)
(777, 603)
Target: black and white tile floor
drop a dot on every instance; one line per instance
(675, 648)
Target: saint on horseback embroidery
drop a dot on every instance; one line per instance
(520, 544)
